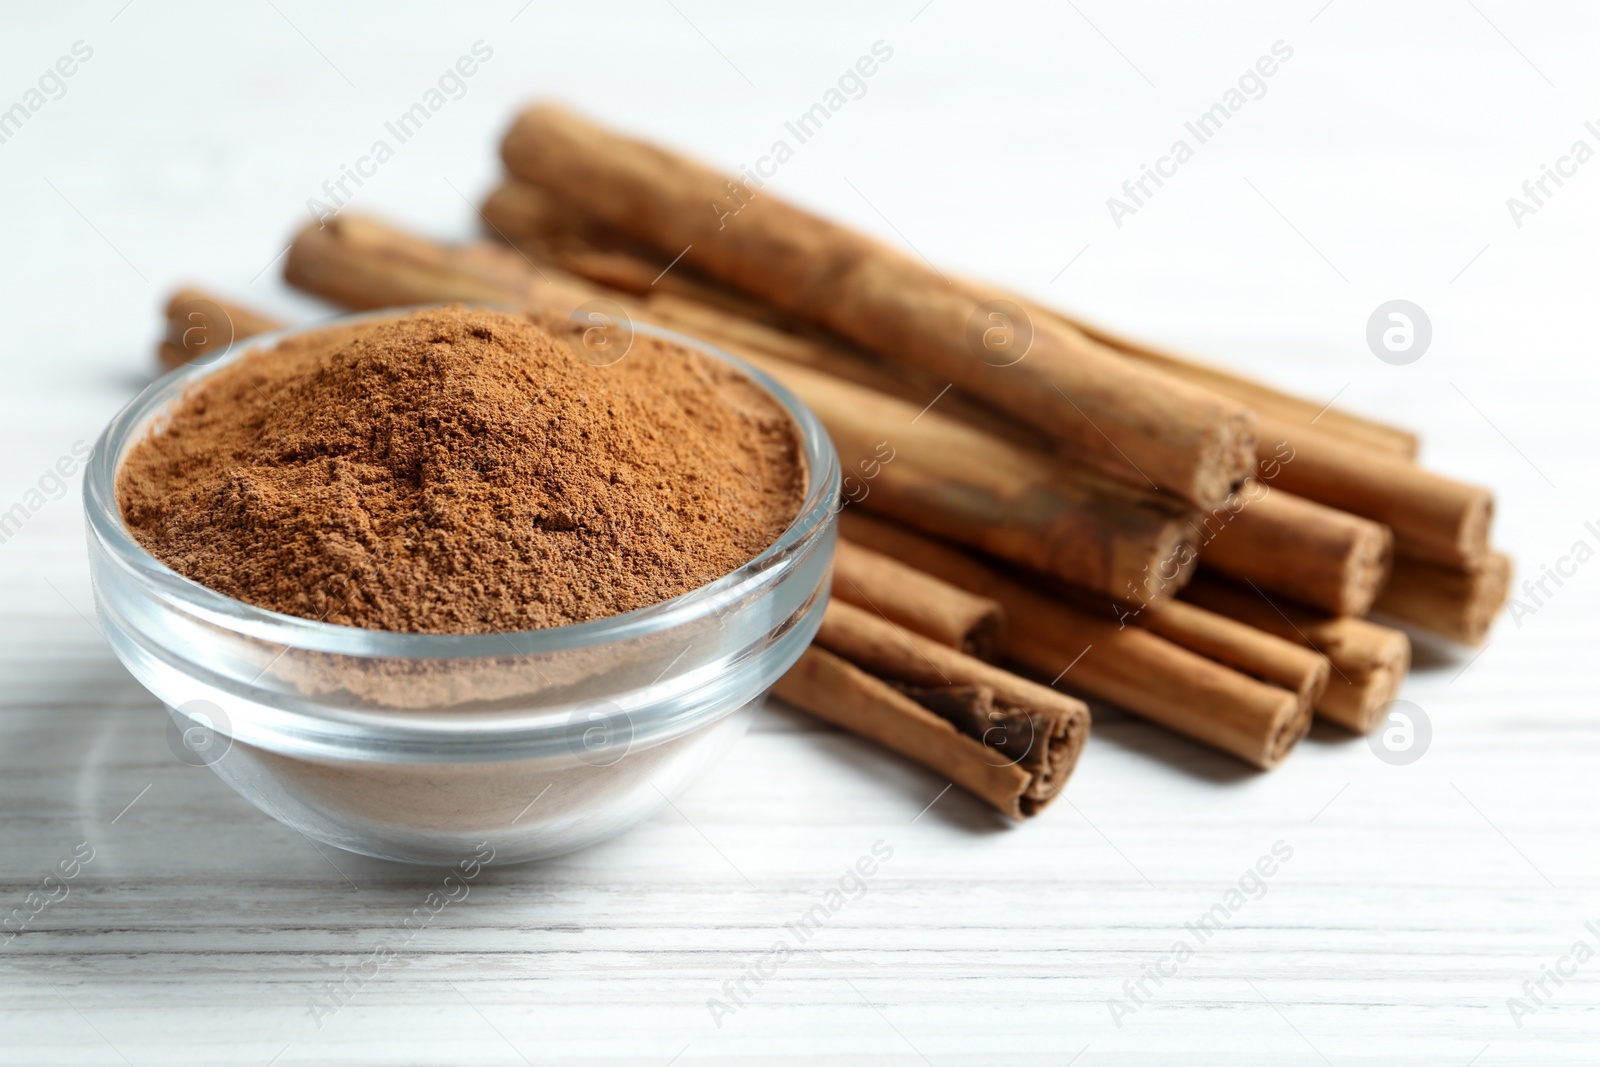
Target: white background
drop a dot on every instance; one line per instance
(1377, 166)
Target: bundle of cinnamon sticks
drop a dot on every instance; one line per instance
(1107, 519)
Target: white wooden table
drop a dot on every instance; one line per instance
(1418, 899)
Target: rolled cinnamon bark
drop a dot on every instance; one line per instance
(1014, 723)
(546, 229)
(1128, 421)
(1319, 555)
(1369, 661)
(1355, 465)
(534, 220)
(950, 479)
(920, 602)
(1457, 603)
(1290, 664)
(200, 324)
(737, 334)
(1433, 517)
(361, 263)
(1267, 401)
(833, 689)
(1125, 665)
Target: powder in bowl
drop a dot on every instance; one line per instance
(461, 470)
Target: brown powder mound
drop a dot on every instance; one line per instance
(462, 471)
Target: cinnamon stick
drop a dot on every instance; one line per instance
(953, 480)
(1257, 653)
(1007, 740)
(1458, 603)
(1356, 465)
(1307, 551)
(361, 263)
(837, 691)
(1368, 661)
(1092, 654)
(920, 602)
(1128, 421)
(737, 334)
(1434, 518)
(966, 485)
(542, 227)
(199, 324)
(1266, 400)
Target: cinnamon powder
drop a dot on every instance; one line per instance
(463, 471)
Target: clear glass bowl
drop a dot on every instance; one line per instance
(423, 747)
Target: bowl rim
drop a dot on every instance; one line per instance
(129, 426)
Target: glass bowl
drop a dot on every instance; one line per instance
(429, 748)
